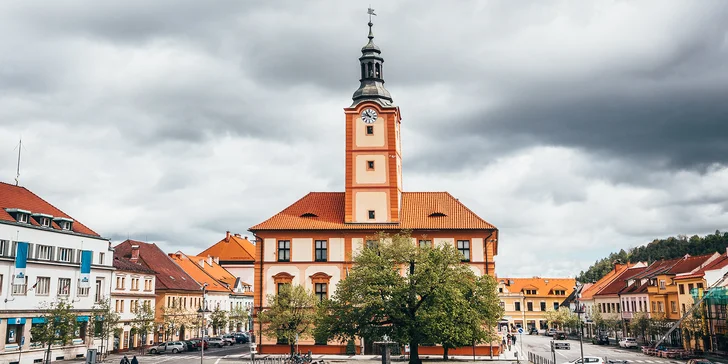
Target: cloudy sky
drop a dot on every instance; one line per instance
(576, 127)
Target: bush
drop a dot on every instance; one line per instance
(350, 348)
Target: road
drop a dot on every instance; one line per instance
(212, 356)
(540, 345)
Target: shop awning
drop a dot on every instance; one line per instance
(38, 320)
(82, 318)
(16, 321)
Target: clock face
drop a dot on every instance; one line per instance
(369, 116)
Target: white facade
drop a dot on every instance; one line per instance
(53, 267)
(131, 290)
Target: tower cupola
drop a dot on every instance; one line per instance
(371, 80)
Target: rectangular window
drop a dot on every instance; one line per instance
(121, 306)
(82, 292)
(556, 306)
(370, 129)
(682, 288)
(427, 244)
(517, 306)
(64, 254)
(321, 250)
(464, 248)
(653, 307)
(560, 292)
(372, 244)
(683, 308)
(640, 305)
(662, 284)
(43, 252)
(147, 284)
(284, 250)
(135, 284)
(634, 306)
(543, 306)
(673, 306)
(321, 291)
(20, 289)
(99, 291)
(101, 258)
(699, 285)
(529, 306)
(64, 286)
(4, 248)
(371, 214)
(690, 288)
(43, 286)
(370, 165)
(502, 304)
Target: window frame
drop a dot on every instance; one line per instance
(370, 165)
(16, 288)
(283, 253)
(369, 129)
(321, 294)
(462, 249)
(371, 214)
(39, 249)
(41, 285)
(69, 254)
(517, 306)
(424, 243)
(64, 292)
(321, 251)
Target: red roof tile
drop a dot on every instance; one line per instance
(232, 248)
(17, 197)
(169, 275)
(690, 263)
(718, 263)
(619, 283)
(326, 211)
(588, 293)
(123, 264)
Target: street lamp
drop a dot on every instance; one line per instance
(579, 309)
(202, 311)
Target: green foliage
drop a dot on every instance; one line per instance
(672, 247)
(173, 318)
(106, 319)
(292, 313)
(562, 318)
(640, 324)
(238, 315)
(60, 325)
(404, 292)
(144, 321)
(350, 348)
(219, 319)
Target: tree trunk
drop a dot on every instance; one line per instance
(293, 348)
(48, 353)
(414, 352)
(445, 349)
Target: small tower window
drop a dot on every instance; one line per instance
(371, 69)
(363, 71)
(370, 165)
(370, 129)
(371, 214)
(376, 70)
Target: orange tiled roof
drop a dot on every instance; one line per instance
(325, 211)
(232, 247)
(191, 266)
(17, 197)
(608, 278)
(215, 270)
(543, 286)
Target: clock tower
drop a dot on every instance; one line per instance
(373, 157)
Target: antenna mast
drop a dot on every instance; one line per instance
(17, 173)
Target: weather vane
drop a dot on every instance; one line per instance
(370, 11)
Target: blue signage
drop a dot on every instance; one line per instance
(21, 261)
(85, 280)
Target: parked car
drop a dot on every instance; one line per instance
(533, 331)
(628, 342)
(191, 345)
(699, 361)
(549, 332)
(588, 360)
(559, 335)
(200, 342)
(230, 338)
(601, 339)
(216, 342)
(170, 346)
(242, 338)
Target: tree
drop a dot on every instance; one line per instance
(394, 289)
(219, 319)
(238, 316)
(144, 322)
(292, 314)
(463, 314)
(559, 318)
(105, 322)
(173, 318)
(60, 325)
(598, 319)
(640, 323)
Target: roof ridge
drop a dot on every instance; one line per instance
(202, 269)
(469, 210)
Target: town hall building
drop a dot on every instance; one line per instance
(313, 241)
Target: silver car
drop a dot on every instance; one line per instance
(170, 346)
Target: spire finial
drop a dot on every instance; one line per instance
(370, 11)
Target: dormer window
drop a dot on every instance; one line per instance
(43, 220)
(64, 223)
(20, 215)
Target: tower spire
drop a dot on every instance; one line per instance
(372, 72)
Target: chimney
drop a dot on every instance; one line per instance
(134, 253)
(209, 260)
(227, 236)
(216, 259)
(237, 235)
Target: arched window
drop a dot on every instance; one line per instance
(371, 70)
(376, 71)
(363, 71)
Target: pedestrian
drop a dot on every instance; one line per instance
(503, 345)
(513, 337)
(134, 360)
(124, 360)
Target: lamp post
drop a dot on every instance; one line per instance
(202, 311)
(579, 309)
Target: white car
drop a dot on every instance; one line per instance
(171, 346)
(628, 342)
(588, 360)
(216, 342)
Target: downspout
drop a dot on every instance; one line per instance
(486, 252)
(260, 288)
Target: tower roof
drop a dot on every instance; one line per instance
(371, 85)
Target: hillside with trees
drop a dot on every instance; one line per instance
(672, 247)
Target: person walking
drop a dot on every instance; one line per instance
(134, 360)
(513, 337)
(503, 345)
(124, 360)
(508, 341)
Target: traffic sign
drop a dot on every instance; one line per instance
(560, 345)
(520, 330)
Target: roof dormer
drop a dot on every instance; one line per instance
(64, 223)
(20, 215)
(43, 220)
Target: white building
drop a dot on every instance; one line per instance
(132, 288)
(55, 242)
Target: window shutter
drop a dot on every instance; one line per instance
(13, 245)
(53, 254)
(30, 250)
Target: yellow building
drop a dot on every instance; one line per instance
(526, 300)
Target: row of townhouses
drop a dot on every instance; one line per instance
(46, 255)
(526, 301)
(663, 291)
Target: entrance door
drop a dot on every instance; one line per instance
(125, 342)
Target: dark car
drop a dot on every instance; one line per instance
(200, 342)
(601, 339)
(191, 345)
(533, 331)
(559, 335)
(242, 338)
